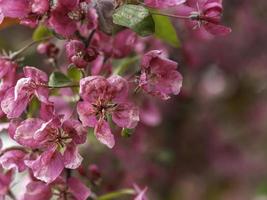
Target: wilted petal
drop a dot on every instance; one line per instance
(87, 114)
(103, 133)
(126, 115)
(78, 189)
(48, 166)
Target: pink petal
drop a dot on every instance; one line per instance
(25, 132)
(48, 166)
(72, 158)
(103, 134)
(126, 115)
(35, 74)
(86, 114)
(78, 189)
(93, 88)
(120, 87)
(12, 108)
(13, 159)
(43, 94)
(37, 190)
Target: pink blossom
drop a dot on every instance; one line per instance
(141, 194)
(206, 14)
(17, 98)
(58, 140)
(77, 189)
(163, 3)
(103, 98)
(68, 16)
(159, 75)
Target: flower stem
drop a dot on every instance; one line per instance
(15, 54)
(117, 194)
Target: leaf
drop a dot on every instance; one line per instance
(75, 74)
(165, 30)
(40, 33)
(57, 79)
(135, 17)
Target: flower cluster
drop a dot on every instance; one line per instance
(103, 77)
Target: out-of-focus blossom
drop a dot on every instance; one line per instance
(206, 14)
(5, 181)
(103, 98)
(159, 75)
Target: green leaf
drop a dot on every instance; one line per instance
(124, 64)
(41, 32)
(165, 30)
(135, 17)
(57, 79)
(75, 74)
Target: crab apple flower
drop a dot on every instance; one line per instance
(17, 98)
(13, 9)
(103, 97)
(77, 189)
(206, 14)
(163, 3)
(159, 75)
(40, 6)
(5, 181)
(68, 15)
(79, 55)
(57, 139)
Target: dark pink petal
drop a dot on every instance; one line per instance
(37, 190)
(12, 108)
(78, 189)
(103, 134)
(13, 159)
(72, 158)
(48, 166)
(126, 115)
(35, 74)
(25, 132)
(87, 114)
(120, 88)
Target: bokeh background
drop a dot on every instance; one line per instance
(208, 143)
